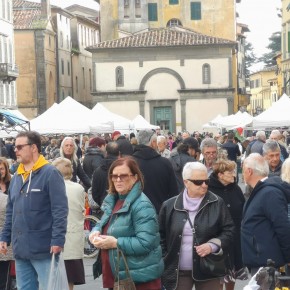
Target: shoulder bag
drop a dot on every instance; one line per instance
(125, 284)
(211, 264)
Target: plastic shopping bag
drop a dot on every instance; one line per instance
(57, 276)
(252, 285)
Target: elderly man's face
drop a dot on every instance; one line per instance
(246, 174)
(210, 154)
(185, 135)
(274, 137)
(273, 158)
(162, 145)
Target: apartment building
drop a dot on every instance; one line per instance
(8, 68)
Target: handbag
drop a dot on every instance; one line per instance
(211, 264)
(127, 283)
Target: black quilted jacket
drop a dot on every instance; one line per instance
(213, 221)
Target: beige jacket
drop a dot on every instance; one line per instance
(74, 239)
(3, 202)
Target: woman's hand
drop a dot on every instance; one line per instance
(105, 242)
(203, 250)
(93, 236)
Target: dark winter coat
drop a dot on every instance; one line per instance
(160, 182)
(234, 200)
(178, 160)
(265, 227)
(100, 179)
(213, 221)
(80, 173)
(92, 160)
(232, 149)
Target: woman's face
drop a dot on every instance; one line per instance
(194, 190)
(227, 177)
(68, 147)
(2, 170)
(123, 179)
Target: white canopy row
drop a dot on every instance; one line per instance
(71, 117)
(278, 115)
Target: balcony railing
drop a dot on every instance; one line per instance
(8, 72)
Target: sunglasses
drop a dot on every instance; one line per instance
(121, 177)
(199, 181)
(19, 147)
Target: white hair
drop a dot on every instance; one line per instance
(74, 157)
(258, 164)
(160, 138)
(189, 167)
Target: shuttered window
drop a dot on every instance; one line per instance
(152, 12)
(195, 10)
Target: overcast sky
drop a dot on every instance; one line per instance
(261, 17)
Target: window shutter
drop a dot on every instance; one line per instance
(152, 12)
(195, 10)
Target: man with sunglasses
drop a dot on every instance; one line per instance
(36, 216)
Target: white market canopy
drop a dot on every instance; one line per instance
(67, 117)
(278, 115)
(142, 124)
(232, 121)
(102, 115)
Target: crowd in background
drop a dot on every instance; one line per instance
(175, 172)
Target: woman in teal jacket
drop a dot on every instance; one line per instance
(129, 223)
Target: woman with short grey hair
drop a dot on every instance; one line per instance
(199, 211)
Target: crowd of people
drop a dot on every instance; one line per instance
(170, 203)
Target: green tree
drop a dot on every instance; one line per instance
(250, 57)
(274, 47)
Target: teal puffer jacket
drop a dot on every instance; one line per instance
(135, 226)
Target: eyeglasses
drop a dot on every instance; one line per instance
(122, 177)
(199, 181)
(19, 147)
(210, 153)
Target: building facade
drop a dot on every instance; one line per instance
(285, 47)
(62, 20)
(84, 32)
(8, 68)
(264, 90)
(169, 76)
(207, 17)
(35, 50)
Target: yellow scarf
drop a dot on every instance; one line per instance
(41, 161)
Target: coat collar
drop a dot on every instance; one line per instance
(208, 198)
(111, 199)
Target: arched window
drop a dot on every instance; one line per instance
(174, 22)
(206, 74)
(119, 76)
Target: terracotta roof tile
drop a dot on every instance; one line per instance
(170, 36)
(25, 13)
